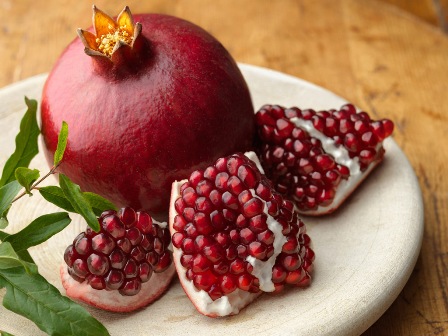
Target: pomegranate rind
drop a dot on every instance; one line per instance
(112, 300)
(227, 305)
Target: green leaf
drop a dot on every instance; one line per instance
(73, 193)
(98, 203)
(26, 177)
(3, 222)
(55, 195)
(10, 259)
(7, 194)
(39, 230)
(31, 296)
(23, 255)
(3, 235)
(62, 143)
(4, 333)
(26, 143)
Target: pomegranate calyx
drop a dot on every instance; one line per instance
(111, 36)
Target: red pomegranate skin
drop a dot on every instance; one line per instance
(132, 133)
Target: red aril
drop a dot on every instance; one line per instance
(153, 98)
(248, 241)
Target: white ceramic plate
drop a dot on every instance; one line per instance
(365, 252)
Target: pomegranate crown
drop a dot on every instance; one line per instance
(111, 38)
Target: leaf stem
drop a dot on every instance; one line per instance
(35, 184)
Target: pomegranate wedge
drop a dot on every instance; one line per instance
(235, 237)
(125, 266)
(319, 158)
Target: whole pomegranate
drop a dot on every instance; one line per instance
(147, 103)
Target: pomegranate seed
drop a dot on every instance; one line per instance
(134, 236)
(266, 237)
(253, 207)
(245, 282)
(80, 268)
(114, 279)
(221, 164)
(189, 196)
(228, 284)
(221, 180)
(229, 200)
(237, 266)
(128, 216)
(229, 215)
(144, 272)
(138, 253)
(233, 164)
(82, 245)
(117, 259)
(284, 127)
(125, 245)
(258, 223)
(257, 250)
(131, 287)
(103, 243)
(210, 173)
(144, 222)
(130, 269)
(204, 281)
(294, 277)
(215, 198)
(388, 127)
(278, 274)
(202, 223)
(221, 268)
(318, 123)
(247, 236)
(186, 260)
(247, 175)
(214, 253)
(204, 188)
(244, 197)
(70, 255)
(113, 226)
(164, 262)
(234, 185)
(195, 178)
(291, 262)
(96, 282)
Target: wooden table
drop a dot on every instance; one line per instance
(382, 59)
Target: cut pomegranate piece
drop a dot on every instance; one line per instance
(319, 158)
(248, 240)
(125, 266)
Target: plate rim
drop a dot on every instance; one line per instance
(18, 86)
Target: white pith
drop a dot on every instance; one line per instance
(263, 269)
(112, 300)
(341, 156)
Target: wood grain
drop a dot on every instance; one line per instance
(381, 58)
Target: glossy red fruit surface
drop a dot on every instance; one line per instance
(148, 116)
(124, 256)
(309, 155)
(245, 227)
